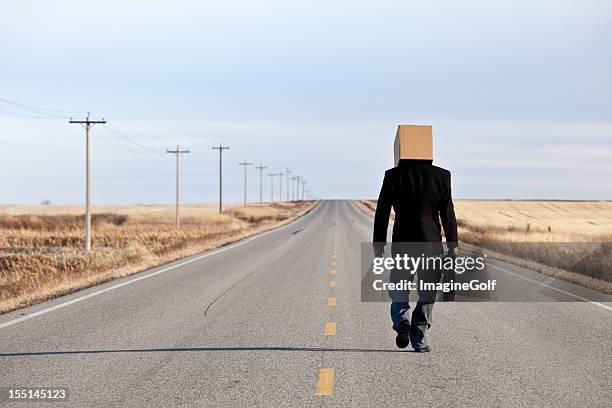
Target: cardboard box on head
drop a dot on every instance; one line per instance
(413, 142)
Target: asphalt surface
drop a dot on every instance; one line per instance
(251, 326)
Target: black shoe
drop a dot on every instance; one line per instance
(403, 335)
(423, 349)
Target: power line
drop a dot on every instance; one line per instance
(119, 146)
(29, 116)
(48, 115)
(122, 177)
(198, 154)
(146, 149)
(38, 108)
(117, 132)
(38, 112)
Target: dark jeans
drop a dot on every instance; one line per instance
(420, 321)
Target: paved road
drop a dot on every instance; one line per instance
(247, 327)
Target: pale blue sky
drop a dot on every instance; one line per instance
(519, 94)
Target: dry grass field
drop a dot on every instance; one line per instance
(535, 221)
(571, 240)
(40, 246)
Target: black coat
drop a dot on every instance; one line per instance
(420, 194)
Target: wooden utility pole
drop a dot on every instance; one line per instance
(178, 153)
(288, 172)
(87, 125)
(303, 187)
(272, 175)
(220, 148)
(293, 188)
(245, 164)
(280, 186)
(298, 179)
(261, 169)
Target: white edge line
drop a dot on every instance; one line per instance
(149, 275)
(553, 288)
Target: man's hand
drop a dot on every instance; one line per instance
(379, 251)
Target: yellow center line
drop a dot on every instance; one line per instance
(330, 329)
(325, 382)
(325, 376)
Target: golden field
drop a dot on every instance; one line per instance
(40, 246)
(566, 239)
(535, 221)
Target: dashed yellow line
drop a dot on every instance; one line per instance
(325, 382)
(330, 329)
(325, 376)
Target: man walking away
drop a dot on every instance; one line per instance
(420, 194)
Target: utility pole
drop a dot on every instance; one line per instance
(288, 172)
(87, 125)
(293, 188)
(178, 153)
(245, 164)
(298, 179)
(280, 186)
(303, 186)
(261, 169)
(272, 186)
(221, 148)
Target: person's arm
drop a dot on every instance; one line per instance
(381, 219)
(447, 215)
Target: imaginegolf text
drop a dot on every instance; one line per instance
(406, 285)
